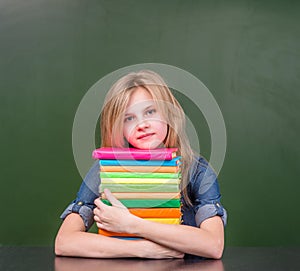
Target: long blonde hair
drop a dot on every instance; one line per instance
(112, 117)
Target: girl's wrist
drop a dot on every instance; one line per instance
(133, 226)
(146, 249)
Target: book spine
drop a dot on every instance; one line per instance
(131, 153)
(130, 187)
(156, 212)
(112, 162)
(139, 175)
(139, 180)
(134, 156)
(173, 221)
(147, 195)
(114, 234)
(162, 169)
(148, 203)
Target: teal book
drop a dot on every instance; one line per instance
(140, 175)
(174, 162)
(127, 238)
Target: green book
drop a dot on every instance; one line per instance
(148, 203)
(131, 187)
(140, 175)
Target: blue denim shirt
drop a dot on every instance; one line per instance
(203, 190)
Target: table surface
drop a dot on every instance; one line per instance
(234, 258)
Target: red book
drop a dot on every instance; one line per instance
(134, 154)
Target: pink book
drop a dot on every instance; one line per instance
(134, 154)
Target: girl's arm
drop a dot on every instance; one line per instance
(206, 241)
(72, 240)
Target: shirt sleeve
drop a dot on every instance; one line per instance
(205, 193)
(84, 202)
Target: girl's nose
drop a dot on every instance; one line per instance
(144, 124)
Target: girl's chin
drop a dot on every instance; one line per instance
(147, 146)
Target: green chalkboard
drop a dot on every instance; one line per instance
(245, 52)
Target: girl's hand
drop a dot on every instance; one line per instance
(115, 218)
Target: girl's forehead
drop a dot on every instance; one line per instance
(139, 105)
(140, 93)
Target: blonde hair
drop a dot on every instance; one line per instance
(112, 117)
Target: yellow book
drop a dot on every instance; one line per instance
(165, 220)
(144, 195)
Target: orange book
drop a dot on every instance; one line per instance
(160, 169)
(156, 212)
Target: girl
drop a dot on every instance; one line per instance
(141, 112)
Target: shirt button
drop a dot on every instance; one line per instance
(217, 204)
(79, 203)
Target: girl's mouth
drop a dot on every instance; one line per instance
(145, 136)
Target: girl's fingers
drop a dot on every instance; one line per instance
(97, 218)
(100, 225)
(99, 204)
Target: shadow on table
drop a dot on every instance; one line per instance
(85, 264)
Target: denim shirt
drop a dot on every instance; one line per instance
(203, 190)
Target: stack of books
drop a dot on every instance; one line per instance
(145, 181)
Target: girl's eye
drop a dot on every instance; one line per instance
(127, 119)
(150, 112)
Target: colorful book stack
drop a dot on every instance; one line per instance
(145, 181)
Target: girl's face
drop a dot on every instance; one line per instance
(144, 127)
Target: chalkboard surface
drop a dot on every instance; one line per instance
(245, 52)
